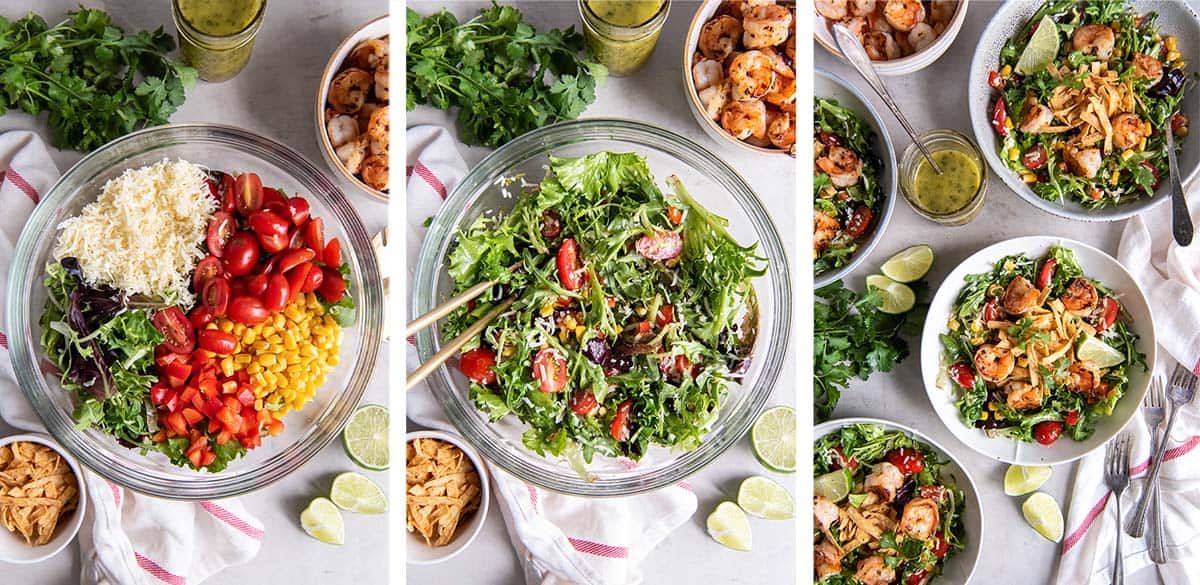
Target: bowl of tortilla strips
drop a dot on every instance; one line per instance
(42, 498)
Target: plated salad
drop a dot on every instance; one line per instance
(189, 310)
(1084, 95)
(633, 310)
(883, 510)
(1038, 349)
(845, 181)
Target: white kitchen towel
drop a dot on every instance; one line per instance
(1170, 276)
(134, 539)
(561, 540)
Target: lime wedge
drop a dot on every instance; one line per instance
(909, 264)
(765, 498)
(1044, 515)
(353, 492)
(897, 297)
(1042, 48)
(366, 437)
(729, 526)
(833, 486)
(1020, 479)
(322, 521)
(773, 438)
(1103, 355)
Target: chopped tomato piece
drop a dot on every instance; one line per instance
(550, 370)
(1046, 274)
(663, 245)
(619, 428)
(570, 269)
(477, 364)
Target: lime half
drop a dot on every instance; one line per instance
(353, 492)
(765, 498)
(909, 264)
(1103, 355)
(729, 526)
(366, 437)
(1020, 479)
(833, 486)
(773, 438)
(897, 297)
(1042, 48)
(322, 521)
(1044, 515)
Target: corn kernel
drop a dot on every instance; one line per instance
(546, 310)
(226, 326)
(1014, 153)
(1142, 143)
(977, 341)
(1170, 43)
(1173, 55)
(253, 369)
(1116, 174)
(1006, 71)
(1008, 123)
(953, 324)
(242, 359)
(266, 359)
(279, 321)
(1028, 177)
(1128, 154)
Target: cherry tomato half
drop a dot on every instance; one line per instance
(995, 80)
(200, 317)
(619, 428)
(583, 402)
(316, 277)
(570, 269)
(666, 314)
(1111, 310)
(267, 223)
(257, 285)
(247, 310)
(215, 296)
(663, 245)
(241, 254)
(1047, 432)
(275, 198)
(908, 460)
(298, 210)
(333, 287)
(276, 295)
(314, 235)
(1072, 417)
(477, 364)
(332, 256)
(217, 341)
(207, 269)
(1046, 274)
(273, 243)
(962, 375)
(220, 229)
(249, 190)
(293, 258)
(940, 546)
(297, 277)
(228, 198)
(860, 221)
(174, 325)
(999, 117)
(550, 370)
(991, 309)
(1035, 158)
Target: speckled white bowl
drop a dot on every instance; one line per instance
(904, 65)
(12, 546)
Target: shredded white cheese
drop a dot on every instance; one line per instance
(144, 234)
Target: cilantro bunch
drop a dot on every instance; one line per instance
(505, 77)
(96, 83)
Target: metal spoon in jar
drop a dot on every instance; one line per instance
(857, 56)
(1181, 219)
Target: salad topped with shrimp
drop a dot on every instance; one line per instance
(1037, 349)
(1083, 106)
(845, 183)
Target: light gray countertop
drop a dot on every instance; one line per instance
(272, 96)
(688, 555)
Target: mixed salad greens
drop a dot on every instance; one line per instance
(884, 511)
(845, 182)
(633, 310)
(1082, 109)
(1036, 349)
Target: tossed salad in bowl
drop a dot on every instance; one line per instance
(848, 194)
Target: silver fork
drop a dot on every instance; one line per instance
(1154, 410)
(1116, 478)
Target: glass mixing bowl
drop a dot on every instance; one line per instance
(716, 186)
(306, 432)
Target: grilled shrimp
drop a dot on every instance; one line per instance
(375, 171)
(862, 7)
(781, 131)
(718, 37)
(378, 130)
(903, 15)
(994, 363)
(1035, 118)
(766, 25)
(1083, 162)
(1148, 67)
(778, 63)
(745, 119)
(349, 90)
(707, 73)
(1022, 395)
(884, 480)
(880, 46)
(826, 560)
(874, 571)
(752, 76)
(1128, 130)
(342, 128)
(920, 518)
(789, 47)
(1019, 296)
(1080, 295)
(368, 54)
(842, 165)
(1094, 39)
(825, 512)
(783, 94)
(858, 26)
(364, 116)
(825, 228)
(1084, 378)
(713, 98)
(922, 35)
(832, 9)
(351, 154)
(381, 81)
(941, 11)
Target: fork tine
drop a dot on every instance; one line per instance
(1155, 397)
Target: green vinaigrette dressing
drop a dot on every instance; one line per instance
(953, 189)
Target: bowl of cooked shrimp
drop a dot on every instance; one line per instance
(900, 36)
(352, 114)
(739, 73)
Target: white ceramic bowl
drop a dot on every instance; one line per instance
(960, 567)
(1175, 18)
(904, 65)
(1095, 264)
(12, 546)
(420, 553)
(829, 86)
(710, 126)
(376, 28)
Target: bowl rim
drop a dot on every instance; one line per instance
(80, 508)
(830, 426)
(331, 66)
(217, 485)
(981, 63)
(888, 209)
(444, 223)
(914, 62)
(931, 353)
(484, 497)
(689, 85)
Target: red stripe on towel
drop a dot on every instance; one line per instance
(607, 551)
(116, 492)
(533, 497)
(430, 179)
(229, 518)
(158, 572)
(3, 340)
(22, 184)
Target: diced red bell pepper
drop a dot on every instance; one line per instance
(245, 396)
(192, 416)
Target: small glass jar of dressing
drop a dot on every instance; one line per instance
(217, 36)
(957, 195)
(621, 34)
